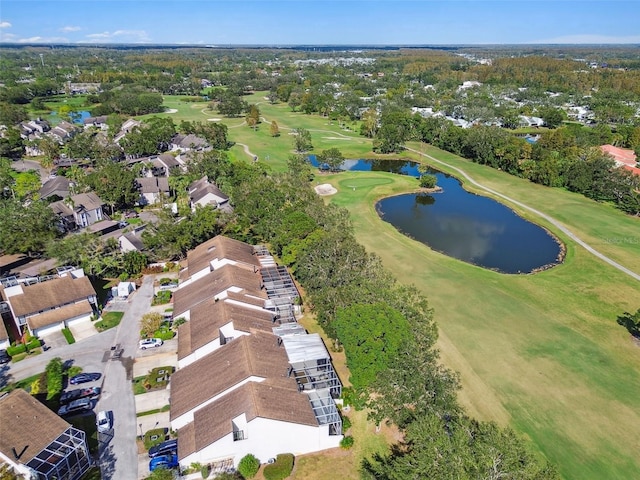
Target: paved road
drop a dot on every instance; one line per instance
(118, 451)
(26, 165)
(548, 218)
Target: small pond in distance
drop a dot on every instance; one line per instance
(469, 227)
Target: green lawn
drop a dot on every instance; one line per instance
(109, 320)
(542, 352)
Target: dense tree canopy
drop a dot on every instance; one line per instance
(26, 228)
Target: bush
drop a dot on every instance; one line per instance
(346, 423)
(16, 349)
(68, 336)
(346, 442)
(161, 297)
(281, 468)
(154, 437)
(54, 377)
(149, 323)
(249, 466)
(166, 281)
(204, 471)
(33, 343)
(73, 371)
(164, 333)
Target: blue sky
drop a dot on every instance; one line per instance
(386, 22)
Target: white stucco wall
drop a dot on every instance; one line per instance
(199, 353)
(267, 438)
(48, 329)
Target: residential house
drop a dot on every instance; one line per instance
(226, 281)
(48, 306)
(127, 127)
(56, 186)
(214, 323)
(132, 241)
(152, 189)
(624, 157)
(99, 122)
(37, 443)
(163, 165)
(215, 253)
(188, 142)
(263, 419)
(79, 211)
(202, 193)
(63, 131)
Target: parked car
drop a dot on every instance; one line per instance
(150, 342)
(163, 461)
(82, 405)
(84, 378)
(4, 357)
(104, 420)
(72, 395)
(164, 448)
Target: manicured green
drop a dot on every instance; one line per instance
(280, 469)
(542, 352)
(68, 336)
(109, 320)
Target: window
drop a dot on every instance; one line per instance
(238, 435)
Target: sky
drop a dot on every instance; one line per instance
(313, 22)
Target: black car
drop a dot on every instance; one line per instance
(72, 395)
(4, 357)
(84, 378)
(76, 407)
(170, 447)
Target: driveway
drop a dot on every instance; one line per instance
(118, 453)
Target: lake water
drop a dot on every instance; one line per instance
(77, 116)
(469, 227)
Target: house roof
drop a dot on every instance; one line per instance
(57, 315)
(50, 294)
(217, 248)
(208, 317)
(166, 160)
(88, 201)
(622, 156)
(188, 141)
(153, 184)
(27, 426)
(58, 186)
(276, 399)
(212, 284)
(255, 355)
(134, 240)
(201, 188)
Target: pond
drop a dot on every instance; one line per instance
(469, 227)
(77, 116)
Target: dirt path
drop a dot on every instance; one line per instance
(548, 218)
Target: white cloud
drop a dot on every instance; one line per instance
(591, 39)
(133, 36)
(70, 29)
(38, 39)
(5, 24)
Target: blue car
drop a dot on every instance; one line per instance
(163, 461)
(170, 447)
(84, 378)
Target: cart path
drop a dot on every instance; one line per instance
(548, 218)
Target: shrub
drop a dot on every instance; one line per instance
(33, 343)
(204, 471)
(166, 281)
(73, 371)
(164, 333)
(54, 377)
(179, 322)
(346, 423)
(68, 336)
(281, 468)
(154, 437)
(249, 466)
(16, 349)
(161, 297)
(346, 442)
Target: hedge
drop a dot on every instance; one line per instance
(280, 469)
(15, 350)
(68, 336)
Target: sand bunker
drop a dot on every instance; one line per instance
(213, 119)
(325, 189)
(171, 110)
